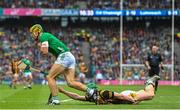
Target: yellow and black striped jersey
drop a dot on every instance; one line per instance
(14, 66)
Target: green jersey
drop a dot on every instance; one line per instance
(28, 63)
(56, 46)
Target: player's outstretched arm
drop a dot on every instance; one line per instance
(72, 95)
(35, 70)
(123, 97)
(22, 66)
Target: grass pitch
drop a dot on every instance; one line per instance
(167, 97)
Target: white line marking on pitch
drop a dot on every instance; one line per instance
(27, 101)
(67, 100)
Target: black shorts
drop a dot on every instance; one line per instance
(153, 71)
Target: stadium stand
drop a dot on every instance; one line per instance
(138, 39)
(70, 4)
(90, 4)
(104, 53)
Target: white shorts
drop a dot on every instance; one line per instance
(66, 59)
(128, 92)
(27, 74)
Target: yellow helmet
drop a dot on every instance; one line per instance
(36, 27)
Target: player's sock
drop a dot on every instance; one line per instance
(55, 98)
(156, 86)
(49, 98)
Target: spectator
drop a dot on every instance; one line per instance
(136, 74)
(99, 76)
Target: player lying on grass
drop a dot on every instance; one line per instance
(125, 97)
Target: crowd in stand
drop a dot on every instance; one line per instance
(104, 41)
(90, 4)
(104, 57)
(141, 73)
(138, 39)
(147, 4)
(137, 42)
(104, 48)
(68, 4)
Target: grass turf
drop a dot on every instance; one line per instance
(167, 97)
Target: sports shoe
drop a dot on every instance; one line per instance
(29, 86)
(92, 95)
(156, 77)
(54, 102)
(152, 80)
(95, 96)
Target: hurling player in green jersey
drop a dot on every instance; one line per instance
(64, 64)
(27, 73)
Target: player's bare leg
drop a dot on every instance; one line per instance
(53, 73)
(146, 94)
(14, 81)
(25, 80)
(30, 81)
(69, 76)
